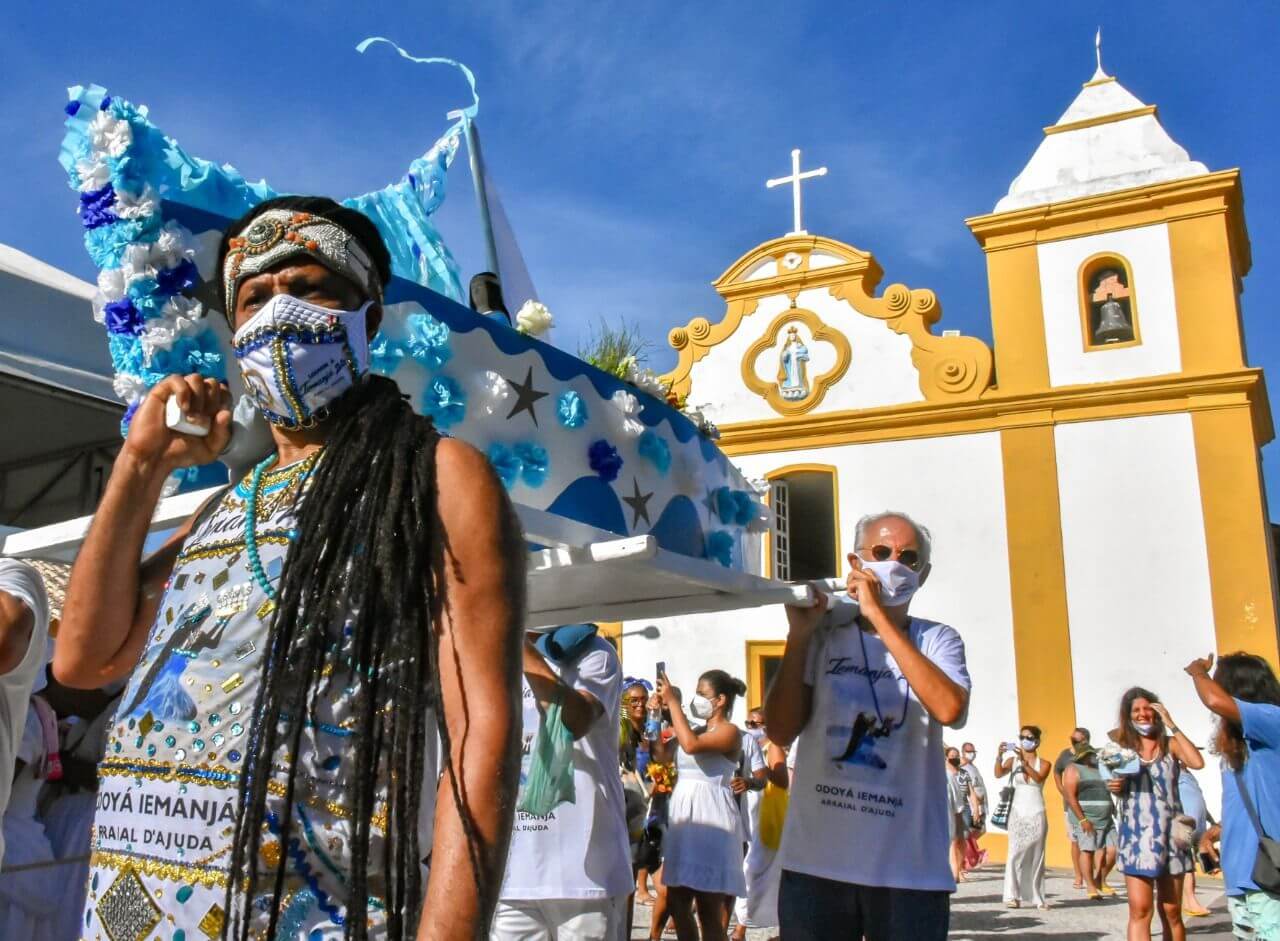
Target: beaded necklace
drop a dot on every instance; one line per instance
(303, 469)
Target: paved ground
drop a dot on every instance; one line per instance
(977, 912)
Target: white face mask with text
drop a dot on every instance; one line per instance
(297, 358)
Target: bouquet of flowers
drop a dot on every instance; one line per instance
(663, 777)
(1115, 760)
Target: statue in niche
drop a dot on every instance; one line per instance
(793, 369)
(1110, 310)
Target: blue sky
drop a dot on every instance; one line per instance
(631, 141)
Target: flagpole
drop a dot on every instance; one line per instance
(476, 160)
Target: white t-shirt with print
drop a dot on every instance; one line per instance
(579, 850)
(23, 582)
(869, 804)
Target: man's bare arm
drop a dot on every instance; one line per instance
(112, 599)
(480, 660)
(789, 699)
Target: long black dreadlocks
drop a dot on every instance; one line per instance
(365, 574)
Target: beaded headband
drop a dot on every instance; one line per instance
(280, 233)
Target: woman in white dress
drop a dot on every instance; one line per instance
(1028, 825)
(702, 849)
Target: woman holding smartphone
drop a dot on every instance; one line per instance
(1155, 836)
(1028, 824)
(702, 849)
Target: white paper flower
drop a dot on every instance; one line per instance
(493, 389)
(140, 206)
(111, 283)
(534, 319)
(128, 387)
(173, 244)
(94, 174)
(110, 135)
(646, 380)
(179, 317)
(629, 406)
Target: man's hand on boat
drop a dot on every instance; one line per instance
(201, 402)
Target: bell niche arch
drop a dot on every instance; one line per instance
(1108, 303)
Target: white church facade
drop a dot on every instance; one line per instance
(1092, 480)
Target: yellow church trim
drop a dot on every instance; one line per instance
(1100, 119)
(1205, 195)
(1099, 81)
(1206, 287)
(1038, 592)
(1017, 319)
(819, 385)
(757, 651)
(949, 367)
(996, 411)
(834, 473)
(1086, 271)
(1237, 536)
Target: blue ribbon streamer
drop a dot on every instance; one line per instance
(469, 112)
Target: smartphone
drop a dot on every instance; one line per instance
(662, 669)
(1208, 864)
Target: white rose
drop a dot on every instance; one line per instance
(534, 319)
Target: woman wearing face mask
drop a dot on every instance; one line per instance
(702, 849)
(1028, 826)
(1155, 847)
(964, 807)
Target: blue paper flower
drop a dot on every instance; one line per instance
(720, 547)
(571, 409)
(654, 449)
(745, 508)
(71, 108)
(385, 354)
(95, 207)
(106, 244)
(726, 506)
(428, 340)
(128, 417)
(122, 316)
(179, 279)
(604, 459)
(444, 401)
(535, 463)
(505, 463)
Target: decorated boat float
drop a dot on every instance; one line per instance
(629, 507)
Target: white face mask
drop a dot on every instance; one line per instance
(897, 582)
(1028, 744)
(1144, 728)
(757, 734)
(700, 707)
(297, 358)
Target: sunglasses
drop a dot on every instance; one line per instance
(632, 700)
(752, 725)
(908, 557)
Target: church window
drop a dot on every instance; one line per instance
(805, 544)
(1108, 305)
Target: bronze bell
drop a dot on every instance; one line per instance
(1113, 323)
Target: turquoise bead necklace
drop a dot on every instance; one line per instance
(251, 519)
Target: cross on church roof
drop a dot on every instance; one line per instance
(794, 179)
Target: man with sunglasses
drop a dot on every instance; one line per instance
(869, 689)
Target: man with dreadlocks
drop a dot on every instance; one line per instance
(306, 639)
